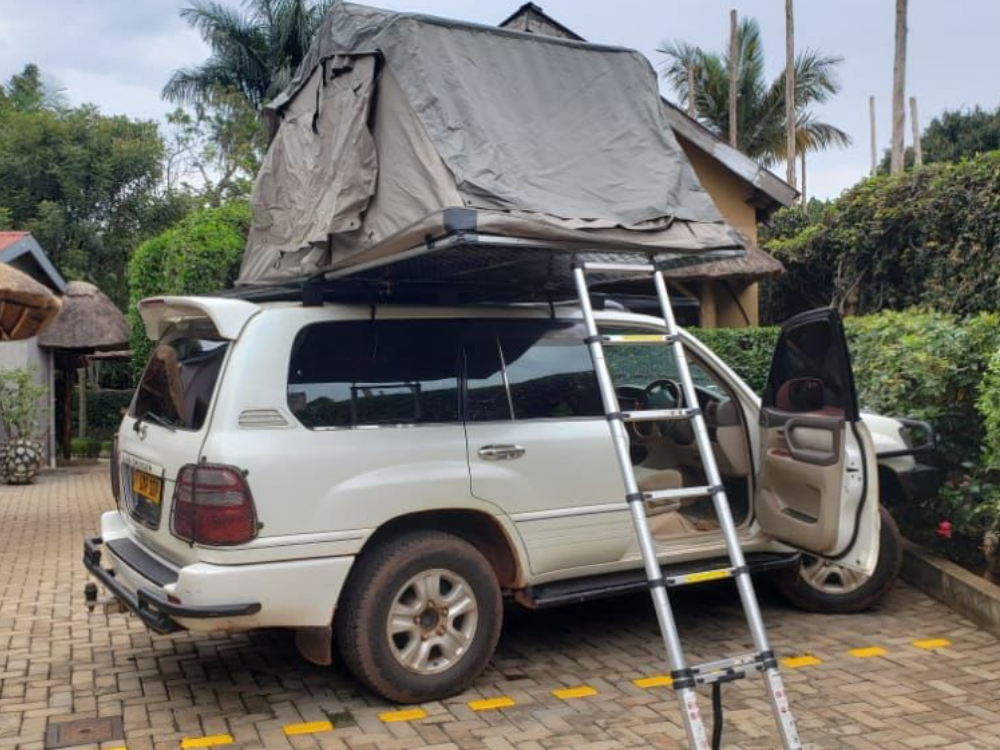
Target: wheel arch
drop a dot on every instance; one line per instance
(482, 530)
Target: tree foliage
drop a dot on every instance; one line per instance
(85, 184)
(199, 255)
(928, 238)
(761, 131)
(954, 135)
(253, 53)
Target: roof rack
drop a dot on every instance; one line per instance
(469, 267)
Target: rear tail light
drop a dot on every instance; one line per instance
(116, 472)
(212, 505)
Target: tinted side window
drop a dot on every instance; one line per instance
(359, 373)
(549, 369)
(487, 399)
(809, 372)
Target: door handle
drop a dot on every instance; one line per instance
(501, 452)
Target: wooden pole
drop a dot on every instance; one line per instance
(733, 76)
(692, 107)
(871, 114)
(802, 192)
(899, 90)
(81, 406)
(918, 150)
(790, 95)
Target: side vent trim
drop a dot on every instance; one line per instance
(262, 419)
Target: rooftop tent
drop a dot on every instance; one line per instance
(405, 142)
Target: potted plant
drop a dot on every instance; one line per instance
(20, 413)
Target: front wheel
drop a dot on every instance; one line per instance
(420, 617)
(819, 585)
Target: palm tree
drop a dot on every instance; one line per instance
(254, 53)
(761, 105)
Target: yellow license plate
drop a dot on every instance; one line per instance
(147, 486)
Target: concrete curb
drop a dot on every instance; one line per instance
(966, 593)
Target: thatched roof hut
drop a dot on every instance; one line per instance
(755, 265)
(89, 321)
(26, 306)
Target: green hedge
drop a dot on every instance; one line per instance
(927, 238)
(104, 411)
(199, 255)
(746, 350)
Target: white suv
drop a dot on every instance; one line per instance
(379, 477)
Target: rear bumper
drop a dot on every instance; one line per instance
(150, 606)
(285, 589)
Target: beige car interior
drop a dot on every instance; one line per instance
(666, 457)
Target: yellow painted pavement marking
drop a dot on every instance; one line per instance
(489, 704)
(795, 662)
(932, 643)
(410, 714)
(867, 653)
(638, 337)
(577, 692)
(660, 680)
(210, 741)
(309, 727)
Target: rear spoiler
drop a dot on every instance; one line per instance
(228, 315)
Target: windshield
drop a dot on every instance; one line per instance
(177, 385)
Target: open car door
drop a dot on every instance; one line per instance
(817, 488)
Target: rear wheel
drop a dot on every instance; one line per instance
(420, 617)
(820, 585)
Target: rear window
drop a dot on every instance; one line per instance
(177, 386)
(369, 373)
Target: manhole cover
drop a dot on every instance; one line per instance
(83, 732)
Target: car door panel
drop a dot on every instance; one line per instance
(543, 453)
(816, 486)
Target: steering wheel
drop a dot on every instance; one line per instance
(663, 394)
(660, 394)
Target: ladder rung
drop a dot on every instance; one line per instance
(605, 267)
(658, 415)
(728, 663)
(637, 339)
(682, 493)
(703, 576)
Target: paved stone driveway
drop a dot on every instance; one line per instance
(58, 662)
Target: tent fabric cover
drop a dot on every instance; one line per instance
(394, 118)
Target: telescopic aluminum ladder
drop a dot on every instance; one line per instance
(685, 678)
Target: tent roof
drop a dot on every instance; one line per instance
(88, 320)
(395, 120)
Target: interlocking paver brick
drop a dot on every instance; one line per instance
(59, 661)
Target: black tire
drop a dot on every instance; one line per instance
(802, 591)
(375, 588)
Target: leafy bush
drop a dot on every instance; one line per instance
(85, 447)
(746, 350)
(928, 366)
(21, 405)
(927, 238)
(104, 410)
(199, 255)
(988, 405)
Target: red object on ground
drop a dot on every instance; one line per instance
(944, 530)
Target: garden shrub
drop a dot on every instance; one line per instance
(104, 410)
(929, 238)
(199, 255)
(746, 350)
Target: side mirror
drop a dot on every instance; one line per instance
(801, 395)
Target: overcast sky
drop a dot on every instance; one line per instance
(119, 53)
